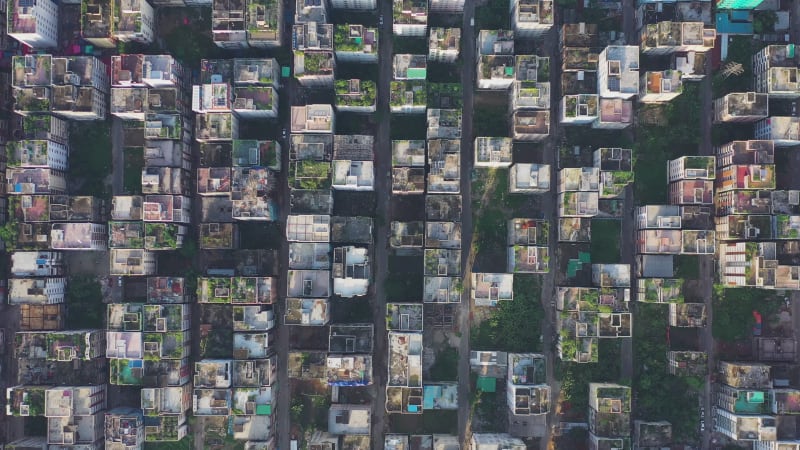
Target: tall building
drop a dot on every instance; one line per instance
(355, 4)
(34, 24)
(531, 18)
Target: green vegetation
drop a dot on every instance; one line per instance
(85, 309)
(191, 43)
(492, 16)
(90, 158)
(187, 443)
(677, 134)
(575, 377)
(687, 267)
(491, 217)
(132, 171)
(733, 311)
(513, 326)
(740, 50)
(605, 245)
(446, 366)
(764, 21)
(364, 96)
(661, 396)
(309, 410)
(402, 45)
(405, 275)
(491, 120)
(398, 90)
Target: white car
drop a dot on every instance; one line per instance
(380, 20)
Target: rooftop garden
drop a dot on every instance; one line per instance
(167, 430)
(445, 95)
(161, 236)
(214, 290)
(29, 101)
(403, 92)
(222, 239)
(315, 63)
(126, 372)
(364, 96)
(307, 174)
(342, 41)
(244, 290)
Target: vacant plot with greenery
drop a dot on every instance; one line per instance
(491, 213)
(677, 134)
(605, 241)
(733, 311)
(575, 377)
(90, 158)
(85, 309)
(446, 366)
(132, 171)
(661, 396)
(513, 326)
(405, 278)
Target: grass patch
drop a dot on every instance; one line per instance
(661, 396)
(446, 366)
(678, 135)
(85, 309)
(90, 158)
(687, 266)
(733, 311)
(605, 241)
(132, 172)
(492, 16)
(514, 326)
(491, 218)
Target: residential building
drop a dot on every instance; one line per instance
(355, 96)
(356, 43)
(492, 151)
(444, 43)
(495, 42)
(447, 6)
(97, 23)
(495, 71)
(409, 67)
(35, 25)
(132, 262)
(410, 17)
(264, 24)
(44, 127)
(660, 86)
(255, 102)
(444, 162)
(408, 96)
(228, 23)
(212, 97)
(579, 109)
(124, 429)
(404, 317)
(614, 114)
(490, 288)
(492, 441)
(37, 264)
(350, 271)
(775, 71)
(531, 18)
(609, 411)
(307, 11)
(312, 119)
(29, 153)
(578, 35)
(741, 107)
(78, 236)
(687, 363)
(745, 165)
(652, 434)
(221, 126)
(755, 264)
(307, 312)
(407, 237)
(134, 21)
(525, 178)
(443, 124)
(783, 131)
(404, 382)
(530, 125)
(618, 72)
(218, 236)
(256, 72)
(663, 38)
(349, 419)
(531, 86)
(527, 392)
(354, 4)
(36, 291)
(687, 315)
(695, 167)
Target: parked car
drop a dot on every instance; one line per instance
(380, 20)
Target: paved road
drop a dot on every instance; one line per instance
(383, 191)
(707, 269)
(467, 143)
(282, 331)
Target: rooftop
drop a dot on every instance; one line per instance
(495, 42)
(355, 38)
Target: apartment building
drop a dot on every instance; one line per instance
(410, 17)
(312, 119)
(37, 264)
(264, 23)
(775, 71)
(228, 23)
(124, 429)
(409, 67)
(356, 43)
(614, 114)
(354, 4)
(33, 24)
(660, 86)
(488, 289)
(308, 11)
(355, 95)
(404, 382)
(36, 291)
(527, 392)
(618, 72)
(493, 152)
(408, 96)
(609, 412)
(314, 61)
(36, 153)
(783, 131)
(745, 165)
(444, 162)
(531, 18)
(579, 109)
(444, 43)
(741, 107)
(408, 169)
(490, 441)
(663, 38)
(531, 85)
(134, 21)
(131, 262)
(530, 125)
